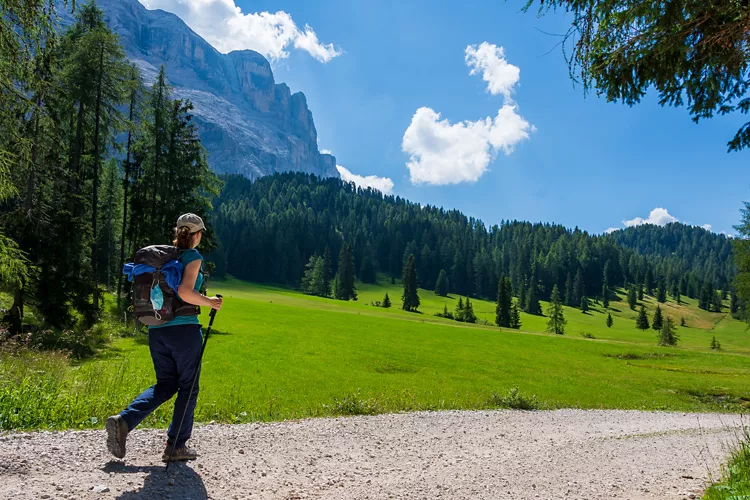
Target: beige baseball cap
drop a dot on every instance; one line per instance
(191, 221)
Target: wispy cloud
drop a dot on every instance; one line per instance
(382, 184)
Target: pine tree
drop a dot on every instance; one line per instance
(504, 300)
(459, 315)
(386, 301)
(410, 297)
(667, 335)
(706, 296)
(640, 291)
(584, 304)
(556, 323)
(605, 286)
(641, 321)
(682, 321)
(678, 297)
(515, 316)
(307, 277)
(716, 303)
(441, 285)
(344, 286)
(609, 320)
(649, 282)
(661, 294)
(658, 319)
(734, 305)
(469, 316)
(327, 273)
(632, 297)
(715, 343)
(367, 270)
(570, 299)
(579, 287)
(532, 300)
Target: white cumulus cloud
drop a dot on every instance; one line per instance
(489, 60)
(382, 184)
(658, 217)
(227, 28)
(441, 152)
(611, 230)
(707, 227)
(325, 151)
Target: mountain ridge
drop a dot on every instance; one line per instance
(249, 124)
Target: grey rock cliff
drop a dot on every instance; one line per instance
(248, 123)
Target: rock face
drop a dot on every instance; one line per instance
(248, 123)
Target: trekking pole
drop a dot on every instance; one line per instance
(211, 317)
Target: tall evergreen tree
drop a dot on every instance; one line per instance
(706, 296)
(327, 273)
(605, 285)
(367, 270)
(667, 335)
(469, 316)
(649, 282)
(640, 291)
(733, 302)
(632, 297)
(641, 322)
(584, 304)
(661, 294)
(716, 303)
(386, 301)
(570, 298)
(460, 313)
(579, 286)
(515, 316)
(410, 297)
(556, 323)
(532, 299)
(345, 286)
(504, 300)
(658, 319)
(609, 320)
(441, 285)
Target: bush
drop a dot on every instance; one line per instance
(514, 400)
(587, 335)
(353, 404)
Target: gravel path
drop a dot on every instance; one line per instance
(486, 454)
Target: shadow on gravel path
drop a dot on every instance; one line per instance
(180, 482)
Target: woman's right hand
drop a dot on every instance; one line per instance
(215, 302)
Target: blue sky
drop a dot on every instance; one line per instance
(574, 160)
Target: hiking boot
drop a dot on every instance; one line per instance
(117, 434)
(180, 454)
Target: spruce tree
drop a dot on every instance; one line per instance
(515, 316)
(578, 287)
(641, 322)
(632, 297)
(386, 301)
(570, 299)
(649, 282)
(682, 321)
(441, 285)
(307, 277)
(410, 297)
(460, 312)
(327, 273)
(658, 319)
(678, 297)
(605, 286)
(715, 343)
(706, 296)
(661, 294)
(532, 300)
(609, 320)
(716, 303)
(344, 285)
(317, 283)
(667, 335)
(640, 291)
(367, 270)
(556, 323)
(469, 316)
(504, 300)
(734, 305)
(584, 304)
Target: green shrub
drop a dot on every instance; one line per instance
(587, 335)
(514, 400)
(735, 484)
(354, 404)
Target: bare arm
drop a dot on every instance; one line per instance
(187, 292)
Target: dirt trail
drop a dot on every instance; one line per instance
(484, 454)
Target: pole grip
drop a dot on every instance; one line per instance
(213, 311)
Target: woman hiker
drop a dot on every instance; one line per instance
(175, 347)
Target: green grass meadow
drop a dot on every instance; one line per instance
(277, 354)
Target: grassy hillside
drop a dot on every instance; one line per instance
(278, 354)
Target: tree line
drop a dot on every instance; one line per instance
(269, 229)
(93, 163)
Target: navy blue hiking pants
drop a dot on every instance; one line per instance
(175, 351)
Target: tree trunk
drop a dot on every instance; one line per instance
(125, 185)
(95, 193)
